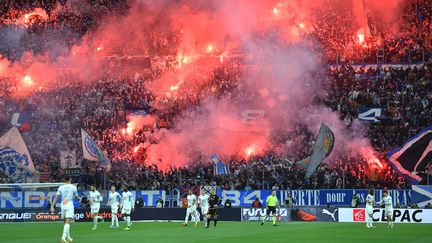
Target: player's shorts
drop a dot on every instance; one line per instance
(67, 213)
(126, 210)
(114, 208)
(271, 210)
(204, 210)
(369, 210)
(94, 209)
(191, 210)
(212, 212)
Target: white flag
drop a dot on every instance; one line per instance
(89, 147)
(68, 159)
(15, 160)
(91, 151)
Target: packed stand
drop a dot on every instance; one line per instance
(101, 106)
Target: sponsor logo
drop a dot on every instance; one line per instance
(46, 217)
(325, 211)
(263, 212)
(14, 216)
(78, 216)
(401, 216)
(359, 215)
(105, 215)
(254, 214)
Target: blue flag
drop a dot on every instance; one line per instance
(421, 195)
(220, 168)
(22, 120)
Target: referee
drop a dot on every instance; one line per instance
(272, 202)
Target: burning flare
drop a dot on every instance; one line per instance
(27, 80)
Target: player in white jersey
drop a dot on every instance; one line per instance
(67, 193)
(203, 200)
(127, 205)
(113, 202)
(95, 200)
(191, 209)
(370, 202)
(387, 201)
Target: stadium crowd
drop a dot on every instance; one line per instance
(101, 107)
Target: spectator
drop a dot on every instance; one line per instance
(139, 203)
(355, 202)
(256, 203)
(289, 201)
(227, 203)
(159, 203)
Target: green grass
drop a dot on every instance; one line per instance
(225, 232)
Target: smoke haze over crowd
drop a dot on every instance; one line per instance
(279, 74)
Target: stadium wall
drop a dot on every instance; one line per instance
(83, 214)
(238, 198)
(229, 214)
(174, 214)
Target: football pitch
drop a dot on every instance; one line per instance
(225, 232)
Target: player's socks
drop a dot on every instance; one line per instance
(128, 221)
(95, 221)
(65, 231)
(113, 219)
(274, 220)
(186, 219)
(68, 237)
(116, 221)
(215, 222)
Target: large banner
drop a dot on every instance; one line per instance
(292, 214)
(39, 199)
(238, 198)
(370, 115)
(413, 157)
(400, 215)
(333, 197)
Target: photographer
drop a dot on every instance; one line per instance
(159, 203)
(139, 203)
